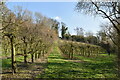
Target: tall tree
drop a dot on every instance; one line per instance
(109, 10)
(63, 30)
(23, 35)
(55, 25)
(8, 29)
(79, 31)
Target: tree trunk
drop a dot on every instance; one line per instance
(118, 55)
(69, 54)
(72, 54)
(39, 55)
(83, 51)
(88, 51)
(71, 51)
(118, 63)
(32, 58)
(13, 56)
(25, 57)
(36, 55)
(43, 52)
(25, 54)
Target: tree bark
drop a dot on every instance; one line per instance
(39, 55)
(13, 56)
(43, 52)
(25, 54)
(36, 55)
(71, 51)
(118, 60)
(32, 58)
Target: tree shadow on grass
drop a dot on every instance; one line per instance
(6, 63)
(79, 70)
(24, 70)
(59, 70)
(106, 69)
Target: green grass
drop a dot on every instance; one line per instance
(101, 66)
(97, 67)
(6, 63)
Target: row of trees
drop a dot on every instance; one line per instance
(71, 49)
(101, 39)
(24, 35)
(86, 39)
(80, 37)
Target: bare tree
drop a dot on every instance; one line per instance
(8, 29)
(79, 31)
(108, 10)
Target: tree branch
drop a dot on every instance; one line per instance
(114, 25)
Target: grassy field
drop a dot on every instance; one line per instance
(82, 67)
(58, 65)
(6, 63)
(28, 70)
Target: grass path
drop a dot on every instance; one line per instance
(60, 67)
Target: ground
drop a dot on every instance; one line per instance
(60, 67)
(57, 65)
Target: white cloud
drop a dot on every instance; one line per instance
(57, 18)
(73, 33)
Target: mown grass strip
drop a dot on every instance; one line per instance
(59, 67)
